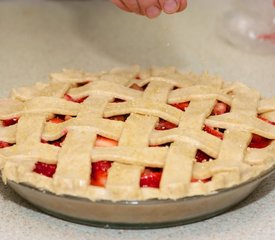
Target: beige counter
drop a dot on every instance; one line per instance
(39, 37)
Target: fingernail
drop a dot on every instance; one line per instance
(152, 12)
(170, 6)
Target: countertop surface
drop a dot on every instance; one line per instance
(40, 37)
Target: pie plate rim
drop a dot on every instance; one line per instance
(232, 196)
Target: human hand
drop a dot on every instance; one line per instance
(151, 8)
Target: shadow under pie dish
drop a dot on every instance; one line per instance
(127, 138)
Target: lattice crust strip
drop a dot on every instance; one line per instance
(92, 105)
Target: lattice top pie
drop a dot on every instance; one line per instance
(135, 134)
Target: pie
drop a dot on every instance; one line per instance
(133, 134)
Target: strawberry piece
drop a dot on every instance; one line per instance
(182, 106)
(259, 141)
(60, 118)
(105, 142)
(101, 166)
(202, 156)
(77, 100)
(201, 180)
(150, 178)
(4, 144)
(136, 87)
(99, 179)
(67, 117)
(57, 142)
(165, 125)
(213, 131)
(119, 118)
(9, 122)
(56, 120)
(100, 173)
(45, 169)
(220, 108)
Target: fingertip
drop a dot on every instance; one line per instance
(152, 12)
(171, 6)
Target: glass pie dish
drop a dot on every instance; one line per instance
(138, 214)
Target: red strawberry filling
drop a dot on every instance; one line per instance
(121, 118)
(4, 144)
(202, 156)
(164, 125)
(214, 131)
(71, 99)
(100, 173)
(259, 141)
(56, 120)
(136, 87)
(57, 142)
(201, 180)
(266, 120)
(181, 106)
(150, 177)
(9, 122)
(45, 169)
(105, 142)
(59, 118)
(220, 108)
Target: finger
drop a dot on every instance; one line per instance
(170, 6)
(150, 8)
(152, 12)
(132, 5)
(183, 5)
(120, 5)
